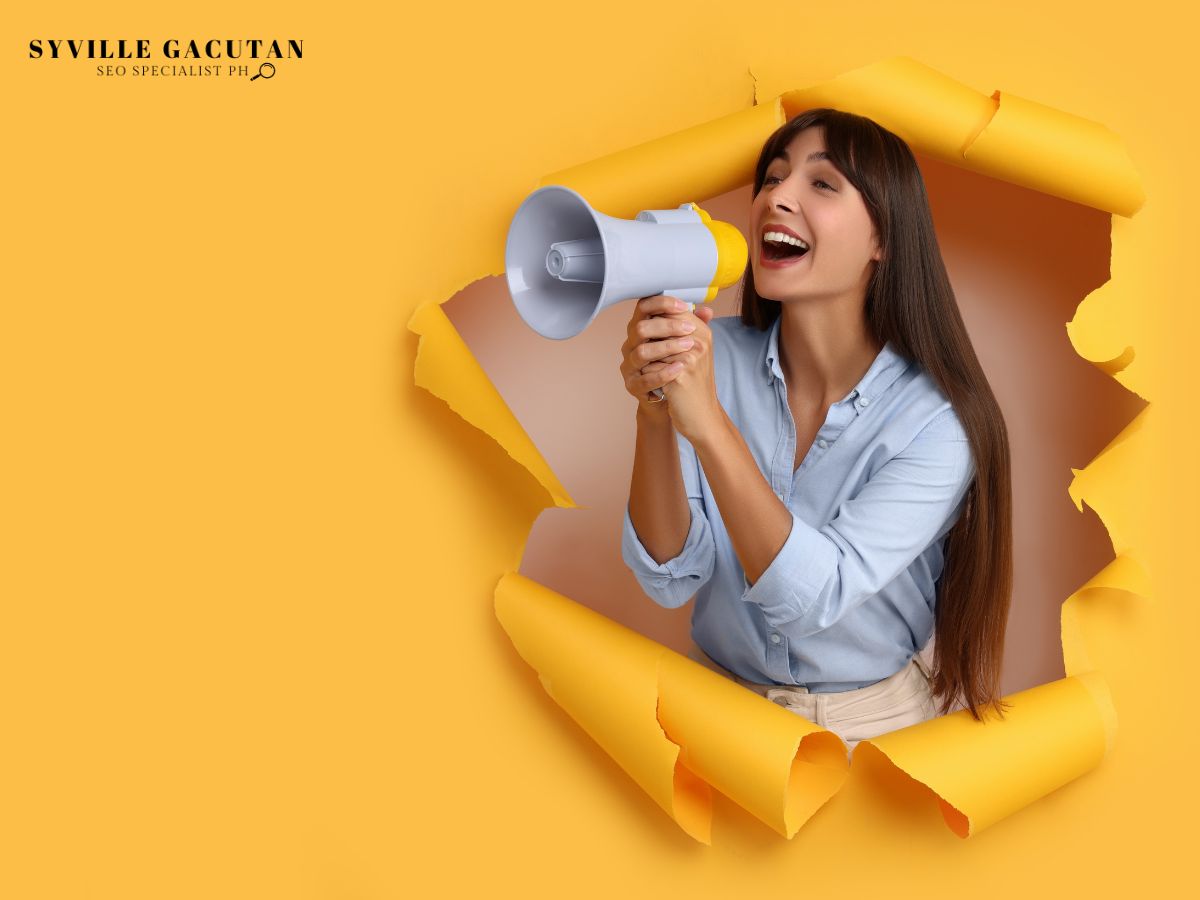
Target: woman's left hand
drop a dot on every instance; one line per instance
(692, 397)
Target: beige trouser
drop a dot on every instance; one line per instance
(898, 701)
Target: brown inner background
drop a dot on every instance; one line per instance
(1019, 261)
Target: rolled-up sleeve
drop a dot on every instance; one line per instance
(674, 582)
(823, 573)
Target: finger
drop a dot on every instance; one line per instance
(660, 304)
(645, 383)
(705, 313)
(660, 327)
(652, 350)
(667, 360)
(631, 369)
(634, 358)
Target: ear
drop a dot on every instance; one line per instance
(877, 252)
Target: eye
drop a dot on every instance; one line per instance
(818, 181)
(769, 179)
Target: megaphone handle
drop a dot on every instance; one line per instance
(658, 392)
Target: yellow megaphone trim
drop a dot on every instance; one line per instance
(732, 253)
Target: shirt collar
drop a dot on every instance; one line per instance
(887, 367)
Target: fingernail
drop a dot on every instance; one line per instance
(688, 328)
(686, 343)
(679, 304)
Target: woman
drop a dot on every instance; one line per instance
(838, 490)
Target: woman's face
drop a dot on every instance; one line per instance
(805, 196)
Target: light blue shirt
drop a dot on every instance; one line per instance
(849, 599)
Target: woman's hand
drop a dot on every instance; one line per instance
(656, 334)
(668, 347)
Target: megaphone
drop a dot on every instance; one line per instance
(565, 262)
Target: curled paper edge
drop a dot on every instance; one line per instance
(1051, 734)
(447, 369)
(970, 130)
(673, 725)
(1002, 135)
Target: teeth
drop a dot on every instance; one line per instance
(778, 237)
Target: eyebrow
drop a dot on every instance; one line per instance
(812, 157)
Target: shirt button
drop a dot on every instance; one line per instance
(822, 444)
(775, 638)
(863, 401)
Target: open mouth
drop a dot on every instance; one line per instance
(776, 246)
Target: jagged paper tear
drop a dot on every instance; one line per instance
(675, 726)
(649, 707)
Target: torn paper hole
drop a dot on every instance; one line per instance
(941, 118)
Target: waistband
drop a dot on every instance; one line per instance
(698, 655)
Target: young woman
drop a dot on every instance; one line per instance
(828, 473)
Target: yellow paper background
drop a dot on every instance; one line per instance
(659, 715)
(248, 645)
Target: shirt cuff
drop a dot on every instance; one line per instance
(791, 586)
(674, 582)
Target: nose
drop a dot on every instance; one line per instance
(779, 204)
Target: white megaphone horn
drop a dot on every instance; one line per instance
(565, 262)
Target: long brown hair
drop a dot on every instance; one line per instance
(909, 302)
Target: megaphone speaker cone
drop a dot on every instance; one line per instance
(565, 262)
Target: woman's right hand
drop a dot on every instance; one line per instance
(657, 332)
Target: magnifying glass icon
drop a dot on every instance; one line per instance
(263, 73)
